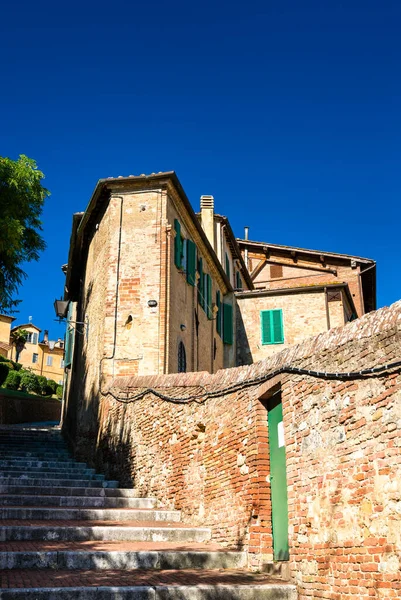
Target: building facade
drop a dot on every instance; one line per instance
(298, 293)
(44, 358)
(5, 330)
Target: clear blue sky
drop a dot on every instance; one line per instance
(287, 112)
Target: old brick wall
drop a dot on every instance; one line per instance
(211, 459)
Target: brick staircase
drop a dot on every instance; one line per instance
(66, 533)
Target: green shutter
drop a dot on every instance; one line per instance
(69, 339)
(200, 282)
(191, 262)
(227, 323)
(227, 266)
(239, 281)
(177, 245)
(271, 322)
(219, 316)
(209, 311)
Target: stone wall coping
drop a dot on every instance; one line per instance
(368, 325)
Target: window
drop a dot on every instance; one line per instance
(182, 359)
(35, 357)
(228, 266)
(219, 318)
(60, 382)
(190, 264)
(238, 283)
(178, 245)
(200, 282)
(49, 361)
(32, 338)
(227, 323)
(62, 364)
(271, 324)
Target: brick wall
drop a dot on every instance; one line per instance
(211, 459)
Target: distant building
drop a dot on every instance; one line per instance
(5, 327)
(298, 293)
(43, 358)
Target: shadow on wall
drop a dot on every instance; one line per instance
(244, 354)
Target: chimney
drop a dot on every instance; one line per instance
(46, 336)
(246, 232)
(207, 218)
(246, 260)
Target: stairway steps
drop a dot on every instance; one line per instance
(81, 531)
(48, 482)
(102, 514)
(68, 534)
(76, 501)
(26, 490)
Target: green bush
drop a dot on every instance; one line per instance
(42, 381)
(12, 381)
(4, 370)
(59, 392)
(17, 366)
(29, 382)
(52, 385)
(3, 358)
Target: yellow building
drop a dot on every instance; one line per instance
(5, 326)
(42, 358)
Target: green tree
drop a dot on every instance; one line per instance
(21, 202)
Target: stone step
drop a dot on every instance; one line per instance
(101, 514)
(130, 531)
(27, 490)
(51, 474)
(76, 501)
(27, 463)
(48, 482)
(49, 584)
(124, 558)
(40, 455)
(37, 468)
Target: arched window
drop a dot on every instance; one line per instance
(182, 359)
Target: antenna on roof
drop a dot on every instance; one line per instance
(30, 319)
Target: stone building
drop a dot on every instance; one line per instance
(44, 357)
(298, 293)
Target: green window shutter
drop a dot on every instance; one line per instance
(200, 282)
(191, 262)
(239, 281)
(227, 266)
(209, 311)
(219, 311)
(227, 323)
(69, 339)
(177, 245)
(271, 322)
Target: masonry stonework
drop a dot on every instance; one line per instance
(209, 457)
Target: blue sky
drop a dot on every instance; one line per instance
(287, 112)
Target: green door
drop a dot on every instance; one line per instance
(278, 482)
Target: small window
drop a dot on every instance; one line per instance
(49, 361)
(276, 271)
(182, 359)
(271, 324)
(190, 262)
(228, 266)
(227, 323)
(35, 357)
(62, 364)
(219, 317)
(29, 338)
(238, 283)
(60, 382)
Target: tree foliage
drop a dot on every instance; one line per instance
(21, 202)
(18, 338)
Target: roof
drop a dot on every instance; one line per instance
(243, 242)
(100, 196)
(7, 317)
(5, 346)
(25, 325)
